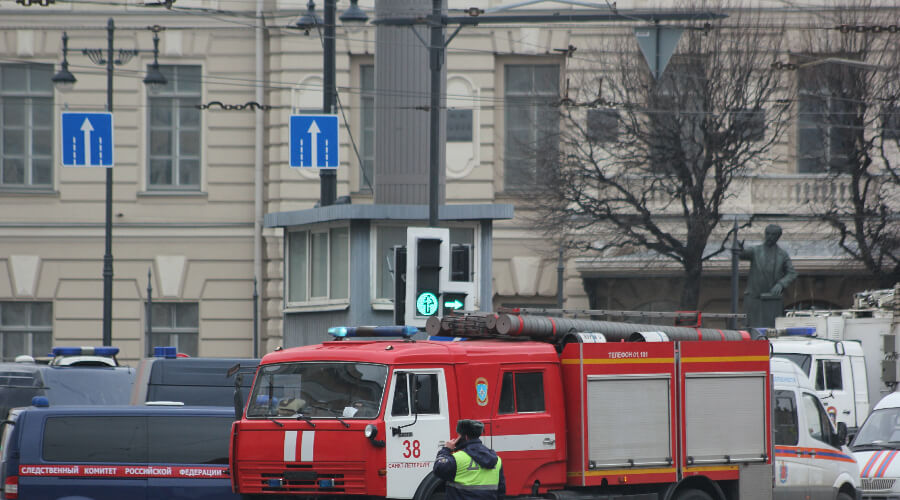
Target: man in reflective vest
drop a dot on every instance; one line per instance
(472, 470)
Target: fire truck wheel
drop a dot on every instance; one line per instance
(431, 488)
(692, 494)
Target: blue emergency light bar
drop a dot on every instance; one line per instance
(801, 331)
(169, 352)
(84, 351)
(341, 332)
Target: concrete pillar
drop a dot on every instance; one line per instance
(402, 92)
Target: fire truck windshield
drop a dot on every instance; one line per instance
(318, 390)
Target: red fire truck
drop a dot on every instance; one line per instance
(574, 408)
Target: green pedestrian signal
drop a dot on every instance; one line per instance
(426, 304)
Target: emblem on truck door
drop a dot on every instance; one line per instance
(481, 391)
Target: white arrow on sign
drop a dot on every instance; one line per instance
(313, 151)
(455, 304)
(87, 129)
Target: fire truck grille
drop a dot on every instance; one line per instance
(323, 479)
(872, 484)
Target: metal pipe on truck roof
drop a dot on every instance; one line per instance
(548, 327)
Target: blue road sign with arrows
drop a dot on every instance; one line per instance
(87, 139)
(314, 141)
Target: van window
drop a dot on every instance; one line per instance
(104, 439)
(786, 418)
(188, 440)
(816, 419)
(522, 392)
(155, 439)
(804, 361)
(828, 375)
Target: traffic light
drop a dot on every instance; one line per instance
(454, 301)
(428, 276)
(427, 271)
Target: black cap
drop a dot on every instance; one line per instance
(469, 428)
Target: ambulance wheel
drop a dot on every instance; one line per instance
(431, 488)
(844, 496)
(692, 494)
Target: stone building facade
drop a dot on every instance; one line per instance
(188, 202)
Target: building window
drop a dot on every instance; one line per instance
(25, 328)
(175, 324)
(318, 265)
(829, 117)
(459, 125)
(531, 121)
(367, 126)
(890, 123)
(462, 256)
(603, 125)
(26, 126)
(175, 143)
(751, 124)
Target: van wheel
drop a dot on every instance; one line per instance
(432, 488)
(692, 494)
(844, 496)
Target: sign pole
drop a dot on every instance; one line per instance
(107, 256)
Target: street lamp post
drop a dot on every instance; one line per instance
(65, 79)
(309, 20)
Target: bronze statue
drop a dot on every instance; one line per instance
(771, 271)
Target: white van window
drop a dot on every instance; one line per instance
(828, 375)
(786, 418)
(804, 361)
(816, 419)
(881, 428)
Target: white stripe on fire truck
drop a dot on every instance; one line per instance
(523, 442)
(290, 446)
(306, 446)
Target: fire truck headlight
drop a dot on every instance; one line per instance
(370, 431)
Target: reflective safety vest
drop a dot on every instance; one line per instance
(471, 476)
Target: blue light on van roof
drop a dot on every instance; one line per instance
(801, 331)
(340, 332)
(84, 351)
(169, 352)
(40, 402)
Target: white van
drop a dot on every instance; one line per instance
(838, 371)
(876, 448)
(811, 460)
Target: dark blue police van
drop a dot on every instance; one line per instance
(115, 452)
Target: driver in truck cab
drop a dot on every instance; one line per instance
(472, 470)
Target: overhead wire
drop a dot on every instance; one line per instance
(482, 102)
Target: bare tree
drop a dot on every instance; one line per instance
(849, 80)
(646, 165)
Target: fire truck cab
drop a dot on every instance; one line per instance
(652, 419)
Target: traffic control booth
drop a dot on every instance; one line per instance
(339, 263)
